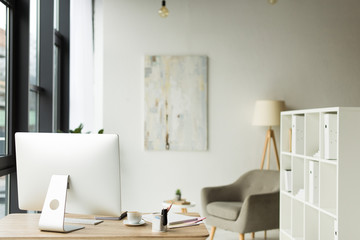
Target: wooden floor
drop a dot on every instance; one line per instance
(226, 235)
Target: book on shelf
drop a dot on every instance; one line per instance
(300, 194)
(297, 134)
(290, 139)
(336, 230)
(287, 179)
(313, 182)
(330, 136)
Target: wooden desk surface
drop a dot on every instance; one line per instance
(25, 226)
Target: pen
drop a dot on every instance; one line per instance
(168, 209)
(200, 219)
(122, 216)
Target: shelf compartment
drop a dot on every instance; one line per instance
(286, 173)
(312, 135)
(311, 223)
(328, 187)
(285, 133)
(298, 178)
(285, 217)
(327, 228)
(297, 223)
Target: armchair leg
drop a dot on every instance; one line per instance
(265, 234)
(241, 236)
(253, 235)
(212, 233)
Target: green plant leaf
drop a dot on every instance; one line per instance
(78, 129)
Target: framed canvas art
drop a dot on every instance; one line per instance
(176, 103)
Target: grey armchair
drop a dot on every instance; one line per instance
(248, 205)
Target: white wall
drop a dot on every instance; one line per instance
(86, 84)
(304, 52)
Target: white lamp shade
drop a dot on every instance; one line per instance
(267, 112)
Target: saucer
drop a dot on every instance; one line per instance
(127, 223)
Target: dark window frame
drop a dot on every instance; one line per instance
(8, 3)
(18, 89)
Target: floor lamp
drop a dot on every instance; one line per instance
(267, 113)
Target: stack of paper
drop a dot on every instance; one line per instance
(185, 222)
(177, 220)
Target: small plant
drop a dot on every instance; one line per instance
(80, 128)
(178, 194)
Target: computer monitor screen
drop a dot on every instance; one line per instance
(91, 161)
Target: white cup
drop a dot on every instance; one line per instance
(134, 217)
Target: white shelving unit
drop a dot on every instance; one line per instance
(324, 196)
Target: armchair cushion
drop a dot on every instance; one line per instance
(225, 210)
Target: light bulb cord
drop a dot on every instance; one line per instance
(163, 3)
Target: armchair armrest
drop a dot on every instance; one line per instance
(260, 212)
(219, 193)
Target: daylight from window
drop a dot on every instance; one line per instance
(33, 67)
(3, 76)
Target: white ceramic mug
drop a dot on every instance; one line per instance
(134, 217)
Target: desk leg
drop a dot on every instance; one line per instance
(184, 210)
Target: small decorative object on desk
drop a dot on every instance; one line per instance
(157, 224)
(178, 202)
(178, 195)
(160, 222)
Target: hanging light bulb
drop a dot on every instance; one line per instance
(163, 11)
(272, 2)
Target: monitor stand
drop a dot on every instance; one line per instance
(53, 212)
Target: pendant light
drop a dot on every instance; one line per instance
(163, 11)
(272, 2)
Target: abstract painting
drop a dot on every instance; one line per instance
(176, 103)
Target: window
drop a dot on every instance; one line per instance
(46, 83)
(34, 79)
(4, 76)
(53, 69)
(33, 68)
(3, 196)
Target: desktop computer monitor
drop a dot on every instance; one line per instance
(89, 163)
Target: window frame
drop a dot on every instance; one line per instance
(18, 78)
